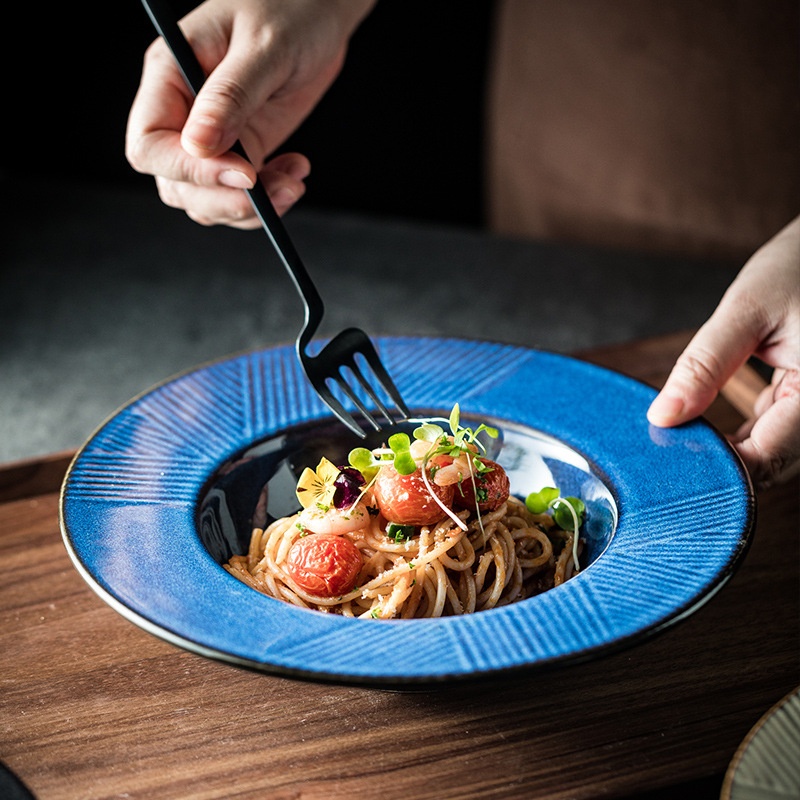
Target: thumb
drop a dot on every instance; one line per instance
(718, 349)
(231, 95)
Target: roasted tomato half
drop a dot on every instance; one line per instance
(492, 489)
(324, 564)
(405, 499)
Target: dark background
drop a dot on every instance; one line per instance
(104, 291)
(410, 99)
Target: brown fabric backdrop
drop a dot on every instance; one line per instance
(659, 125)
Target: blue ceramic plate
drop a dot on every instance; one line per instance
(165, 490)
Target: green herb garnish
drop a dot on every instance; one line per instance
(368, 462)
(400, 533)
(567, 512)
(462, 438)
(549, 499)
(460, 441)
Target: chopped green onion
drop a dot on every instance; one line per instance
(480, 467)
(400, 533)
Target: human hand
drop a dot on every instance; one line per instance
(268, 63)
(759, 315)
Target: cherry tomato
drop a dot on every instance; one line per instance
(405, 499)
(324, 564)
(493, 489)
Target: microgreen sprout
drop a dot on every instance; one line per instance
(462, 441)
(403, 461)
(459, 441)
(368, 462)
(567, 512)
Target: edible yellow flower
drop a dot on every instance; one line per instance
(316, 487)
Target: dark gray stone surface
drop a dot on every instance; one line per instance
(105, 292)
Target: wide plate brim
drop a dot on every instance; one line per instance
(129, 516)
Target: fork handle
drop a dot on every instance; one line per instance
(163, 19)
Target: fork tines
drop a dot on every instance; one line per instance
(337, 367)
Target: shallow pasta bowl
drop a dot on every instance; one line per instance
(165, 491)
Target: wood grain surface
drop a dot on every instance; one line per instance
(93, 707)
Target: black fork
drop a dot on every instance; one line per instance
(337, 364)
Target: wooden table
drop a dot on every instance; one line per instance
(93, 707)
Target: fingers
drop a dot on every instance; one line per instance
(267, 65)
(747, 321)
(251, 71)
(153, 136)
(769, 444)
(183, 141)
(718, 349)
(283, 178)
(180, 137)
(759, 315)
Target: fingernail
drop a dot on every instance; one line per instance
(666, 409)
(235, 179)
(203, 133)
(283, 197)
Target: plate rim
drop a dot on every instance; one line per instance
(609, 647)
(729, 781)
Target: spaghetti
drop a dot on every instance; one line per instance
(443, 569)
(416, 529)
